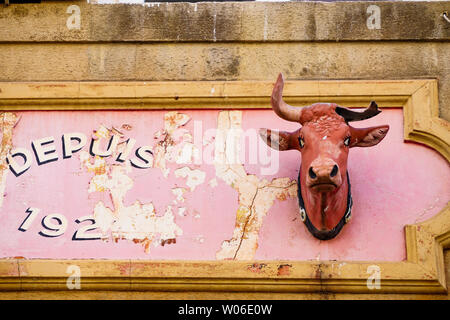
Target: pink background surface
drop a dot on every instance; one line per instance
(393, 184)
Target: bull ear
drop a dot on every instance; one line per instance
(367, 137)
(278, 140)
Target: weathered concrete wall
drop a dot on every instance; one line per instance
(229, 21)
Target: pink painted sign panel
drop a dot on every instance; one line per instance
(197, 185)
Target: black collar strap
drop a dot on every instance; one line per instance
(320, 234)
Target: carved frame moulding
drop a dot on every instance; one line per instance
(423, 270)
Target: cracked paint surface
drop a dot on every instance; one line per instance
(256, 196)
(174, 142)
(8, 122)
(178, 193)
(138, 222)
(193, 177)
(180, 207)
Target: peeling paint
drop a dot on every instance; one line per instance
(175, 143)
(138, 222)
(8, 122)
(257, 267)
(229, 184)
(213, 183)
(178, 193)
(182, 211)
(200, 238)
(256, 196)
(194, 177)
(284, 270)
(160, 160)
(187, 154)
(174, 120)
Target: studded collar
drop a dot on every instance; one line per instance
(320, 234)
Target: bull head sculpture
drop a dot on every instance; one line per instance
(323, 140)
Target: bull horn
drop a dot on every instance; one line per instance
(281, 108)
(350, 115)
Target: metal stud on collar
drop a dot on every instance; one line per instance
(348, 214)
(302, 214)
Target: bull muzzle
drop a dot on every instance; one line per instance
(323, 175)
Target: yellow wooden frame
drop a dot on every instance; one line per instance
(422, 272)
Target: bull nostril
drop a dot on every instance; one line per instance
(312, 174)
(334, 171)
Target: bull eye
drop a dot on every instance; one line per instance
(301, 142)
(347, 141)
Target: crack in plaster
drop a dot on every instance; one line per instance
(256, 196)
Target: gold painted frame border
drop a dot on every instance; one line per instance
(422, 272)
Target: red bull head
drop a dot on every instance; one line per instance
(324, 140)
